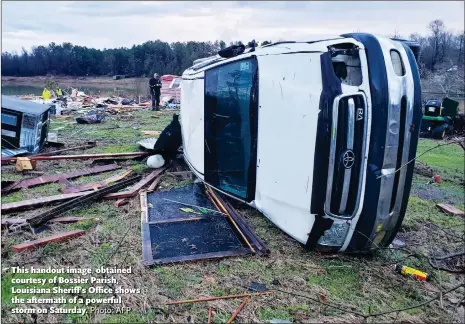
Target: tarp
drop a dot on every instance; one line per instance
(166, 91)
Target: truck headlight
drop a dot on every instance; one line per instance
(335, 236)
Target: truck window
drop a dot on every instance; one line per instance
(230, 126)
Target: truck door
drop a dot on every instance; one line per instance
(231, 97)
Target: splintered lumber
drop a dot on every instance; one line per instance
(238, 310)
(120, 202)
(182, 174)
(255, 241)
(450, 209)
(131, 192)
(151, 132)
(65, 182)
(79, 157)
(25, 204)
(82, 147)
(154, 184)
(216, 298)
(69, 205)
(210, 314)
(45, 240)
(221, 208)
(97, 184)
(70, 219)
(55, 177)
(12, 221)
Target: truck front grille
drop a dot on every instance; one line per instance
(347, 159)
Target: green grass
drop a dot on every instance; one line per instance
(130, 317)
(171, 280)
(447, 160)
(341, 283)
(419, 211)
(269, 313)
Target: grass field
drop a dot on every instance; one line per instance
(366, 283)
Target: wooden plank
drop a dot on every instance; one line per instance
(151, 132)
(450, 209)
(97, 184)
(79, 201)
(120, 202)
(214, 196)
(82, 147)
(237, 311)
(10, 207)
(85, 187)
(12, 221)
(196, 257)
(70, 219)
(79, 157)
(65, 182)
(244, 226)
(60, 237)
(183, 174)
(255, 241)
(147, 254)
(131, 192)
(55, 177)
(154, 184)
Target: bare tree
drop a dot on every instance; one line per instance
(396, 34)
(438, 41)
(459, 43)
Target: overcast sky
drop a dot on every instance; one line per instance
(110, 24)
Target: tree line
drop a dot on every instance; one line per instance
(440, 47)
(139, 60)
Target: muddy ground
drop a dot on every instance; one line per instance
(363, 284)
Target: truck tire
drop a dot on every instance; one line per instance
(439, 131)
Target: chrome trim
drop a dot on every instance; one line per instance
(350, 146)
(329, 188)
(399, 87)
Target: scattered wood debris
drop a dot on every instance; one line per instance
(45, 240)
(450, 209)
(12, 221)
(132, 192)
(238, 310)
(121, 202)
(78, 157)
(55, 177)
(79, 201)
(25, 204)
(71, 219)
(95, 185)
(151, 132)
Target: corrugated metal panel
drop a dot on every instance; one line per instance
(13, 152)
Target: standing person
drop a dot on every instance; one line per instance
(155, 88)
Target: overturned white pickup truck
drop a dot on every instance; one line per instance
(310, 134)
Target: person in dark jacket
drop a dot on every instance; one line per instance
(155, 88)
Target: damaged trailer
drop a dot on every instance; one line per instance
(310, 134)
(24, 125)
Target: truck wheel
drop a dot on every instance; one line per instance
(439, 131)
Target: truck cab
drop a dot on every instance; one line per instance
(312, 134)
